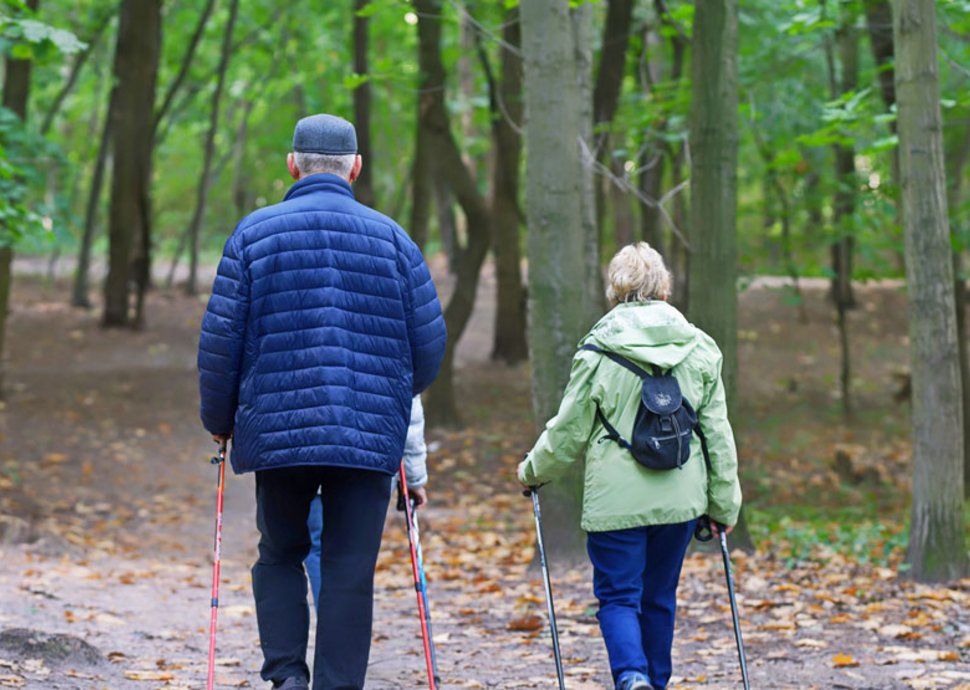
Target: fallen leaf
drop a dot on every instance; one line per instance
(841, 660)
(526, 624)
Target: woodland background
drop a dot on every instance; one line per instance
(766, 148)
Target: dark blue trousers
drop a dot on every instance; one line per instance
(354, 505)
(635, 575)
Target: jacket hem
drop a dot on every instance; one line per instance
(633, 521)
(282, 465)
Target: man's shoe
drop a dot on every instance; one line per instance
(295, 683)
(631, 680)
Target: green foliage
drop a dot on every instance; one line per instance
(796, 534)
(284, 67)
(21, 151)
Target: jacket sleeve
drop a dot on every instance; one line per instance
(567, 434)
(222, 339)
(723, 487)
(415, 449)
(426, 324)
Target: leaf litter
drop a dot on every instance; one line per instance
(103, 457)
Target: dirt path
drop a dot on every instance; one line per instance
(103, 473)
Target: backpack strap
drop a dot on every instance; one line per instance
(707, 455)
(611, 432)
(622, 361)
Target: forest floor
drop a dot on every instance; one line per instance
(107, 503)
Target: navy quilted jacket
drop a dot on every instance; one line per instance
(323, 322)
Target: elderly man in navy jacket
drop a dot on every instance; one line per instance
(323, 322)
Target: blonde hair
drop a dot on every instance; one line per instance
(637, 274)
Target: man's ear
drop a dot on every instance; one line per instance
(355, 171)
(291, 166)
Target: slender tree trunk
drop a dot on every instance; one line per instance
(448, 165)
(510, 344)
(594, 302)
(713, 188)
(937, 547)
(960, 304)
(6, 280)
(16, 90)
(76, 67)
(845, 197)
(444, 206)
(606, 98)
(879, 22)
(680, 255)
(136, 69)
(557, 241)
(79, 293)
(421, 188)
(651, 164)
(956, 164)
(364, 187)
(240, 179)
(205, 179)
(169, 99)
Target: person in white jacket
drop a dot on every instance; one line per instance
(416, 470)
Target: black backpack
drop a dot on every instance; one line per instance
(665, 421)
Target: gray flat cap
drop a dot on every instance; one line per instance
(326, 134)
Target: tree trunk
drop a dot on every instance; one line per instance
(677, 256)
(132, 115)
(444, 206)
(205, 179)
(956, 162)
(443, 152)
(680, 253)
(845, 196)
(594, 302)
(79, 293)
(510, 344)
(364, 186)
(6, 279)
(606, 97)
(651, 165)
(557, 243)
(879, 22)
(421, 188)
(241, 195)
(937, 550)
(16, 90)
(713, 188)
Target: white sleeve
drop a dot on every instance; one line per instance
(415, 450)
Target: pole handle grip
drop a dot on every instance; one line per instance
(703, 531)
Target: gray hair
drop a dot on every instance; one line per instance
(637, 274)
(312, 163)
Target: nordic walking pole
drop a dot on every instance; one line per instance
(734, 605)
(221, 461)
(533, 491)
(406, 504)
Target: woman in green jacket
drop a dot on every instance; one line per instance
(639, 521)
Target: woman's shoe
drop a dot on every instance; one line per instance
(632, 680)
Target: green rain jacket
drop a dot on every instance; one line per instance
(619, 493)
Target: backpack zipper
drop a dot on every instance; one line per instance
(680, 441)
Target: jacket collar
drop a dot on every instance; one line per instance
(321, 182)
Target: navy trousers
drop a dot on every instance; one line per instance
(635, 575)
(354, 506)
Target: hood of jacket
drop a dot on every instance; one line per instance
(652, 332)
